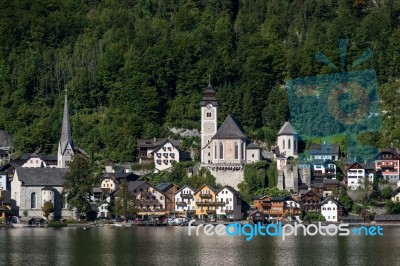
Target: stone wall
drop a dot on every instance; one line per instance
(228, 177)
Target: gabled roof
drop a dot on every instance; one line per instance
(186, 186)
(280, 198)
(324, 149)
(390, 150)
(322, 162)
(41, 176)
(312, 192)
(327, 199)
(230, 129)
(252, 145)
(231, 189)
(164, 186)
(396, 191)
(210, 187)
(175, 143)
(287, 129)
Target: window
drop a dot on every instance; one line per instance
(161, 197)
(236, 151)
(288, 145)
(221, 150)
(208, 114)
(283, 145)
(33, 200)
(215, 151)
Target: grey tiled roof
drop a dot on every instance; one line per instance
(329, 149)
(252, 145)
(41, 176)
(230, 129)
(287, 129)
(393, 217)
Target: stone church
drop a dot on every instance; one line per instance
(224, 150)
(34, 182)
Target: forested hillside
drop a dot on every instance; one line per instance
(133, 67)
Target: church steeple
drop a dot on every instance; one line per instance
(65, 147)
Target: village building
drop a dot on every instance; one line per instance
(323, 169)
(311, 201)
(206, 202)
(331, 210)
(324, 152)
(356, 173)
(185, 203)
(149, 200)
(169, 191)
(231, 203)
(224, 150)
(162, 152)
(387, 165)
(396, 195)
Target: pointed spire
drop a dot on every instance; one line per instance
(66, 127)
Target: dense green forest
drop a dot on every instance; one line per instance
(134, 67)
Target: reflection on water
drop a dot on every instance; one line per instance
(173, 246)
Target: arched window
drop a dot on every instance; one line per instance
(295, 145)
(221, 150)
(33, 200)
(236, 151)
(215, 151)
(288, 145)
(283, 144)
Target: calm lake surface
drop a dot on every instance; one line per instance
(173, 246)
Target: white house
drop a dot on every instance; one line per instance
(104, 209)
(229, 203)
(357, 173)
(184, 200)
(31, 187)
(166, 153)
(331, 210)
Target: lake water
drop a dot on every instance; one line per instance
(173, 246)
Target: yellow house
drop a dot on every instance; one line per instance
(205, 199)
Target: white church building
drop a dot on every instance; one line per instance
(35, 182)
(224, 150)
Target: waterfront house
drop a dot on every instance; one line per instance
(149, 200)
(256, 216)
(311, 201)
(387, 164)
(324, 152)
(103, 209)
(356, 173)
(206, 205)
(331, 210)
(169, 191)
(229, 203)
(184, 201)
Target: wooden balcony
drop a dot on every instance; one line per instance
(205, 196)
(187, 196)
(147, 201)
(229, 211)
(220, 203)
(210, 203)
(210, 211)
(145, 193)
(181, 203)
